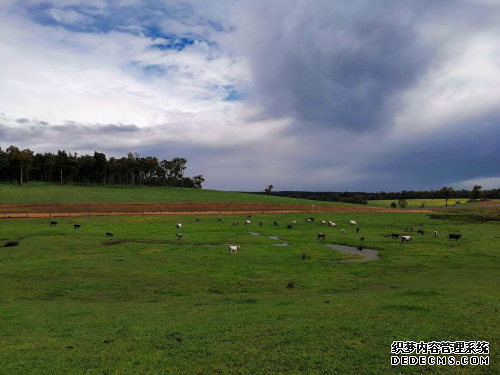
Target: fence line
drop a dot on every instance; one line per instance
(199, 213)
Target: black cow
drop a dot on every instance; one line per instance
(54, 223)
(109, 234)
(197, 220)
(421, 232)
(289, 226)
(362, 239)
(219, 219)
(395, 236)
(455, 237)
(76, 226)
(276, 224)
(357, 230)
(321, 235)
(260, 224)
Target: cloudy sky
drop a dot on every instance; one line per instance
(305, 95)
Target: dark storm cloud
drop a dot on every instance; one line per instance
(340, 64)
(445, 159)
(334, 68)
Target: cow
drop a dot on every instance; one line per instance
(352, 222)
(108, 234)
(455, 237)
(322, 222)
(179, 236)
(249, 215)
(362, 239)
(289, 226)
(235, 223)
(321, 235)
(219, 219)
(233, 249)
(247, 222)
(197, 220)
(357, 230)
(435, 233)
(395, 236)
(260, 224)
(406, 229)
(179, 226)
(76, 226)
(342, 231)
(53, 223)
(421, 232)
(412, 229)
(276, 224)
(294, 222)
(331, 224)
(309, 219)
(406, 238)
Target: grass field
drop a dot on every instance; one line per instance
(416, 203)
(70, 304)
(52, 193)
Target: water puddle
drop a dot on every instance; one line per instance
(368, 254)
(282, 244)
(274, 237)
(255, 234)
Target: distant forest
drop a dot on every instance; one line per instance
(361, 197)
(24, 166)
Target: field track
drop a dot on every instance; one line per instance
(197, 208)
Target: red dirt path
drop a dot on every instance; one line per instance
(197, 208)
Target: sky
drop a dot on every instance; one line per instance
(323, 95)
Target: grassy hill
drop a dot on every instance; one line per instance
(52, 193)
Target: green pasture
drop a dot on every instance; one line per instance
(417, 203)
(37, 192)
(70, 304)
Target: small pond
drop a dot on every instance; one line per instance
(368, 254)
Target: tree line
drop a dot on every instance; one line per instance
(446, 193)
(24, 166)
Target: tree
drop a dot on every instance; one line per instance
(179, 166)
(198, 181)
(61, 163)
(476, 192)
(394, 205)
(402, 203)
(447, 193)
(269, 189)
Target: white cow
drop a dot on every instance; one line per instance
(342, 231)
(247, 222)
(331, 224)
(435, 233)
(233, 249)
(352, 222)
(322, 222)
(406, 238)
(179, 226)
(294, 222)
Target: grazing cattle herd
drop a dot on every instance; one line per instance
(233, 249)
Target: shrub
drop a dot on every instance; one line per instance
(394, 205)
